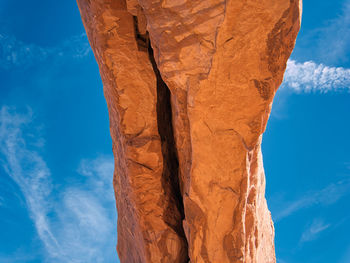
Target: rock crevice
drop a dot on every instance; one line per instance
(169, 151)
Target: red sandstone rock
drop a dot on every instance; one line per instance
(189, 177)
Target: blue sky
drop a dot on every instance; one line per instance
(56, 164)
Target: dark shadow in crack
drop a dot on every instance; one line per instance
(170, 177)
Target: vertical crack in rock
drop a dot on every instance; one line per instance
(170, 176)
(142, 40)
(165, 128)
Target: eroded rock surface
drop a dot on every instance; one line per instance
(189, 86)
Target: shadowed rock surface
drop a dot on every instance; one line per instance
(189, 86)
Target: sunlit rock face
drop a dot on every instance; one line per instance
(189, 86)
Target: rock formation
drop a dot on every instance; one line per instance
(189, 86)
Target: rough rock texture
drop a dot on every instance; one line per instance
(189, 86)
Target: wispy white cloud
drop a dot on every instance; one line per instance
(86, 215)
(330, 45)
(15, 53)
(78, 224)
(27, 169)
(326, 196)
(313, 230)
(312, 77)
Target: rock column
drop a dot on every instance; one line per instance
(189, 86)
